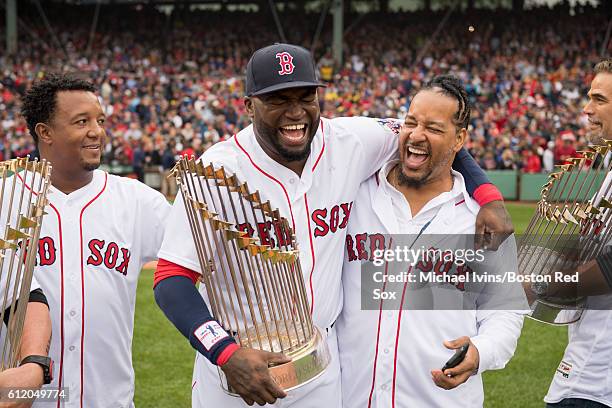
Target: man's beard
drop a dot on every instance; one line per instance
(271, 134)
(420, 181)
(289, 155)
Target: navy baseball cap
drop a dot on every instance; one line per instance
(280, 66)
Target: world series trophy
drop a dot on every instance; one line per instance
(255, 288)
(571, 225)
(23, 195)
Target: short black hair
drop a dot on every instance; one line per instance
(450, 85)
(40, 101)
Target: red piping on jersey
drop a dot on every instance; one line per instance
(61, 244)
(397, 336)
(311, 253)
(269, 176)
(83, 280)
(61, 248)
(378, 334)
(460, 202)
(323, 148)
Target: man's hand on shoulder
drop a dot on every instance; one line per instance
(493, 225)
(247, 374)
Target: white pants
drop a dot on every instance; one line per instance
(322, 392)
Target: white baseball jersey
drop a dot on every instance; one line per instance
(317, 204)
(585, 371)
(93, 244)
(387, 355)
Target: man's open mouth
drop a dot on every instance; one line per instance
(415, 157)
(293, 135)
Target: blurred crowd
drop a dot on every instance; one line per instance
(172, 84)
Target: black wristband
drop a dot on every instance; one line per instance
(36, 295)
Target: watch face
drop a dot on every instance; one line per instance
(539, 288)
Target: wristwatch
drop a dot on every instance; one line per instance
(45, 362)
(539, 288)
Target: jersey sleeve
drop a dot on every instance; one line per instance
(470, 170)
(154, 210)
(378, 139)
(500, 309)
(178, 245)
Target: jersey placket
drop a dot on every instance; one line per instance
(73, 301)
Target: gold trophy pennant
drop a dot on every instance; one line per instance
(218, 224)
(254, 197)
(25, 222)
(24, 196)
(208, 171)
(265, 281)
(568, 228)
(603, 203)
(243, 189)
(13, 234)
(7, 245)
(569, 217)
(233, 234)
(245, 242)
(266, 207)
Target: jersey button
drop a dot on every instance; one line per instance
(384, 387)
(291, 181)
(72, 313)
(71, 348)
(386, 351)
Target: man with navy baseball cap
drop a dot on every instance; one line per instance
(310, 168)
(293, 67)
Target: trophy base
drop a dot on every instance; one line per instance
(557, 314)
(306, 364)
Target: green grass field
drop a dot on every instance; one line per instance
(163, 359)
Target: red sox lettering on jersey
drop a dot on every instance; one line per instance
(363, 246)
(317, 205)
(113, 256)
(93, 244)
(286, 62)
(384, 364)
(331, 221)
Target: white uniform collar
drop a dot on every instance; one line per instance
(382, 200)
(246, 139)
(95, 186)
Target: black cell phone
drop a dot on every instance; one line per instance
(457, 357)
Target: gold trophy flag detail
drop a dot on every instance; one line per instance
(23, 195)
(571, 225)
(254, 283)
